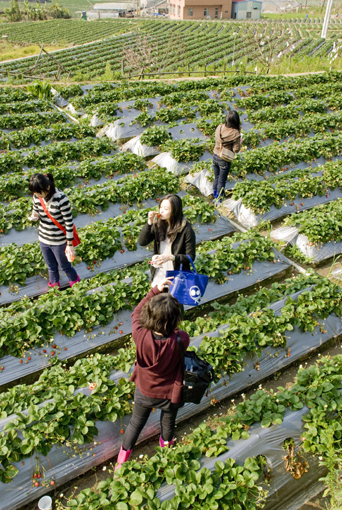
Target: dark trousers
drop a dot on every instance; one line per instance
(142, 410)
(54, 256)
(221, 170)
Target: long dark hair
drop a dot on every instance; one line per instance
(232, 120)
(176, 219)
(41, 182)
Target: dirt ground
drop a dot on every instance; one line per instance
(284, 378)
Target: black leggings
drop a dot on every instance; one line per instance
(142, 410)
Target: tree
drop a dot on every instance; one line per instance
(13, 14)
(266, 42)
(141, 56)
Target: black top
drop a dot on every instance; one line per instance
(183, 245)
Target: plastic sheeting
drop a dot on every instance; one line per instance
(164, 160)
(317, 253)
(81, 342)
(61, 466)
(202, 181)
(141, 149)
(248, 219)
(36, 285)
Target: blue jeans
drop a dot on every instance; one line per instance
(54, 256)
(221, 170)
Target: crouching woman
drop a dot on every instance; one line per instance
(158, 369)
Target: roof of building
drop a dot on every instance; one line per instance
(114, 6)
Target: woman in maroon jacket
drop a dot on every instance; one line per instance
(158, 370)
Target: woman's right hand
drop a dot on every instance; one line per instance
(34, 216)
(151, 216)
(165, 283)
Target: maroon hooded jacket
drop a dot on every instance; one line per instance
(158, 370)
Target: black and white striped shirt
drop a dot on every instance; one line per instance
(59, 208)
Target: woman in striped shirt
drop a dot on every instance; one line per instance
(56, 246)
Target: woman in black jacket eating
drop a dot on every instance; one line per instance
(173, 238)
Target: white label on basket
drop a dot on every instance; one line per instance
(195, 293)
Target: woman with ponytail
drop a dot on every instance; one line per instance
(57, 246)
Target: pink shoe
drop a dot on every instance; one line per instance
(122, 457)
(163, 443)
(77, 280)
(51, 285)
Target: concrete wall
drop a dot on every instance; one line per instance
(179, 9)
(240, 10)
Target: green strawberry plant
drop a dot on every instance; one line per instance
(185, 150)
(321, 224)
(155, 136)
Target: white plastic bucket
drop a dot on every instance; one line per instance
(45, 503)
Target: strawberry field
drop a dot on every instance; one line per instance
(173, 46)
(116, 149)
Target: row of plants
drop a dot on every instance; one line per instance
(55, 153)
(276, 97)
(321, 224)
(19, 120)
(25, 107)
(286, 112)
(15, 185)
(278, 155)
(34, 135)
(259, 196)
(91, 200)
(25, 326)
(231, 485)
(297, 127)
(268, 83)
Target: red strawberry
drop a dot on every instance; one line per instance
(54, 346)
(2, 368)
(94, 262)
(291, 204)
(88, 267)
(209, 229)
(158, 199)
(39, 475)
(65, 348)
(44, 350)
(325, 195)
(21, 361)
(52, 482)
(29, 358)
(122, 431)
(52, 353)
(247, 268)
(34, 476)
(301, 204)
(36, 484)
(120, 332)
(121, 323)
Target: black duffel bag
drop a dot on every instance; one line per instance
(198, 374)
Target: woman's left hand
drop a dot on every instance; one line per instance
(161, 259)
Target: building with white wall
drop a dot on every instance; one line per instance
(246, 9)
